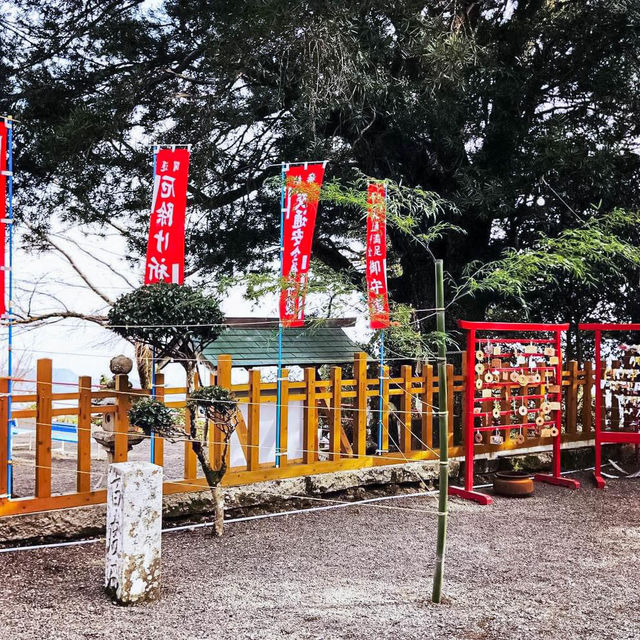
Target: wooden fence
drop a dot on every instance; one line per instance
(341, 408)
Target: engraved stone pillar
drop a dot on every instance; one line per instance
(134, 526)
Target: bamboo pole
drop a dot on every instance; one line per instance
(443, 411)
(8, 121)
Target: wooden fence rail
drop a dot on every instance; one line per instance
(326, 425)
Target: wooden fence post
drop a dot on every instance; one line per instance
(4, 427)
(335, 414)
(213, 433)
(360, 418)
(463, 401)
(121, 421)
(572, 397)
(158, 441)
(505, 418)
(587, 397)
(406, 410)
(44, 391)
(284, 417)
(310, 438)
(385, 407)
(463, 404)
(615, 406)
(223, 371)
(450, 404)
(253, 420)
(83, 468)
(223, 379)
(603, 408)
(427, 406)
(190, 459)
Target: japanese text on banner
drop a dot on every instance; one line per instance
(302, 192)
(4, 135)
(377, 295)
(165, 248)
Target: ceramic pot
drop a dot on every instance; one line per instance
(513, 484)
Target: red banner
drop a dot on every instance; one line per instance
(4, 135)
(302, 192)
(377, 295)
(165, 249)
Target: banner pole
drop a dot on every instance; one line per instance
(9, 124)
(380, 393)
(381, 390)
(280, 330)
(152, 440)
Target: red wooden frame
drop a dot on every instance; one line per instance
(603, 437)
(555, 478)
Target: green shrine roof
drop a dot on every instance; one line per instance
(253, 342)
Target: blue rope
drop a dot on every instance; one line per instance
(280, 331)
(9, 124)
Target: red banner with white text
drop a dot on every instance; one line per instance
(377, 295)
(4, 135)
(165, 248)
(302, 192)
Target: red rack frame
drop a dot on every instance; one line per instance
(603, 437)
(555, 478)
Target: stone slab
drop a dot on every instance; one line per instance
(133, 531)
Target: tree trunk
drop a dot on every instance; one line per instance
(144, 364)
(218, 505)
(213, 476)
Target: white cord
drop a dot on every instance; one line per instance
(189, 527)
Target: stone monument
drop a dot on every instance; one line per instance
(134, 532)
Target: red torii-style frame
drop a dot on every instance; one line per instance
(555, 478)
(603, 437)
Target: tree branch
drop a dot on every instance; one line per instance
(58, 315)
(73, 264)
(102, 262)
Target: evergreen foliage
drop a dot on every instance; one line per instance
(495, 107)
(152, 416)
(214, 401)
(178, 321)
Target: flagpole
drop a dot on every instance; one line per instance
(380, 392)
(152, 440)
(280, 329)
(9, 124)
(382, 354)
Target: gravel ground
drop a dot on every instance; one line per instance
(563, 564)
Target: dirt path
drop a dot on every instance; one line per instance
(561, 565)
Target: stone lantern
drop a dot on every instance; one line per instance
(105, 437)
